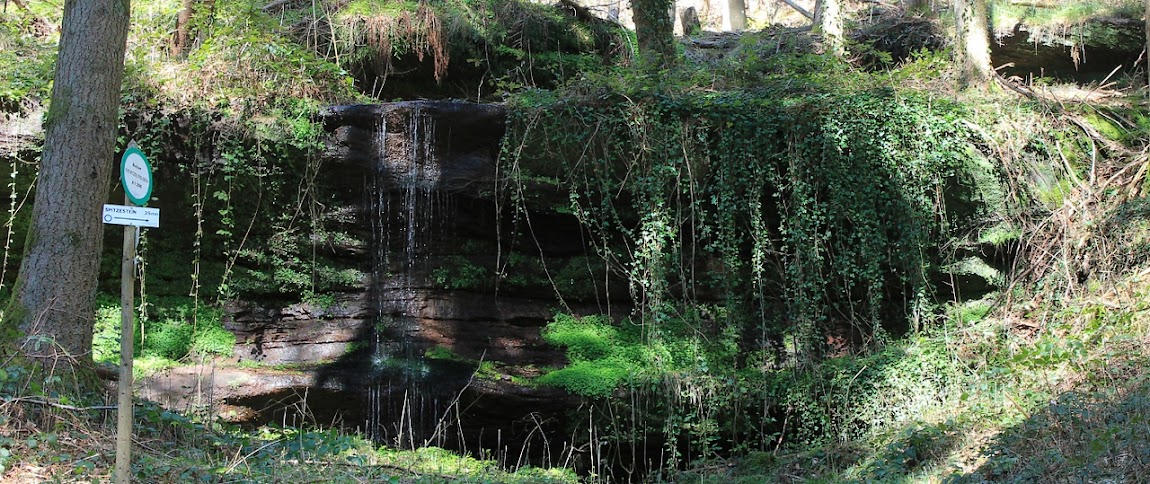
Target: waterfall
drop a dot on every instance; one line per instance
(410, 216)
(432, 223)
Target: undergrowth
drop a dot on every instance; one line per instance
(173, 329)
(1056, 393)
(45, 439)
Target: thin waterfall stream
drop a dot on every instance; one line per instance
(411, 216)
(440, 357)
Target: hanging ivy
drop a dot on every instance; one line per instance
(818, 215)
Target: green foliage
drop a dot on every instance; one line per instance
(597, 353)
(586, 339)
(173, 328)
(1077, 436)
(825, 205)
(171, 340)
(492, 46)
(106, 331)
(595, 379)
(458, 272)
(915, 446)
(441, 353)
(257, 205)
(213, 340)
(26, 73)
(27, 56)
(242, 53)
(604, 355)
(440, 462)
(700, 396)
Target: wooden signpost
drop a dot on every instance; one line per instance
(136, 177)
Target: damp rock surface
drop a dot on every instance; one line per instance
(446, 319)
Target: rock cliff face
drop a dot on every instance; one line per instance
(449, 283)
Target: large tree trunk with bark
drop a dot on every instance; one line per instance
(53, 302)
(972, 26)
(655, 31)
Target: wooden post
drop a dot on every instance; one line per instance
(127, 330)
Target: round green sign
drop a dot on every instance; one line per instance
(136, 175)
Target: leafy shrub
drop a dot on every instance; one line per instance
(106, 332)
(595, 379)
(168, 331)
(171, 340)
(214, 340)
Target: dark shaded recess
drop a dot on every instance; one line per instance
(964, 209)
(495, 416)
(1105, 44)
(900, 37)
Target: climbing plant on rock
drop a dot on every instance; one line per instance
(816, 215)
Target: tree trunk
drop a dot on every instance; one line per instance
(181, 42)
(52, 305)
(735, 17)
(1148, 49)
(971, 25)
(194, 15)
(654, 31)
(829, 22)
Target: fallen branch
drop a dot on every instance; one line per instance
(1034, 3)
(52, 404)
(798, 8)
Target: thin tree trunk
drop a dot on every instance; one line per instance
(735, 16)
(194, 16)
(180, 39)
(972, 27)
(1148, 49)
(53, 302)
(829, 22)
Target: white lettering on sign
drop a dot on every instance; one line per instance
(128, 215)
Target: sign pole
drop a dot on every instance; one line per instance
(127, 330)
(136, 178)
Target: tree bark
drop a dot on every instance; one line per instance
(180, 39)
(1148, 49)
(52, 305)
(194, 15)
(655, 31)
(972, 26)
(829, 22)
